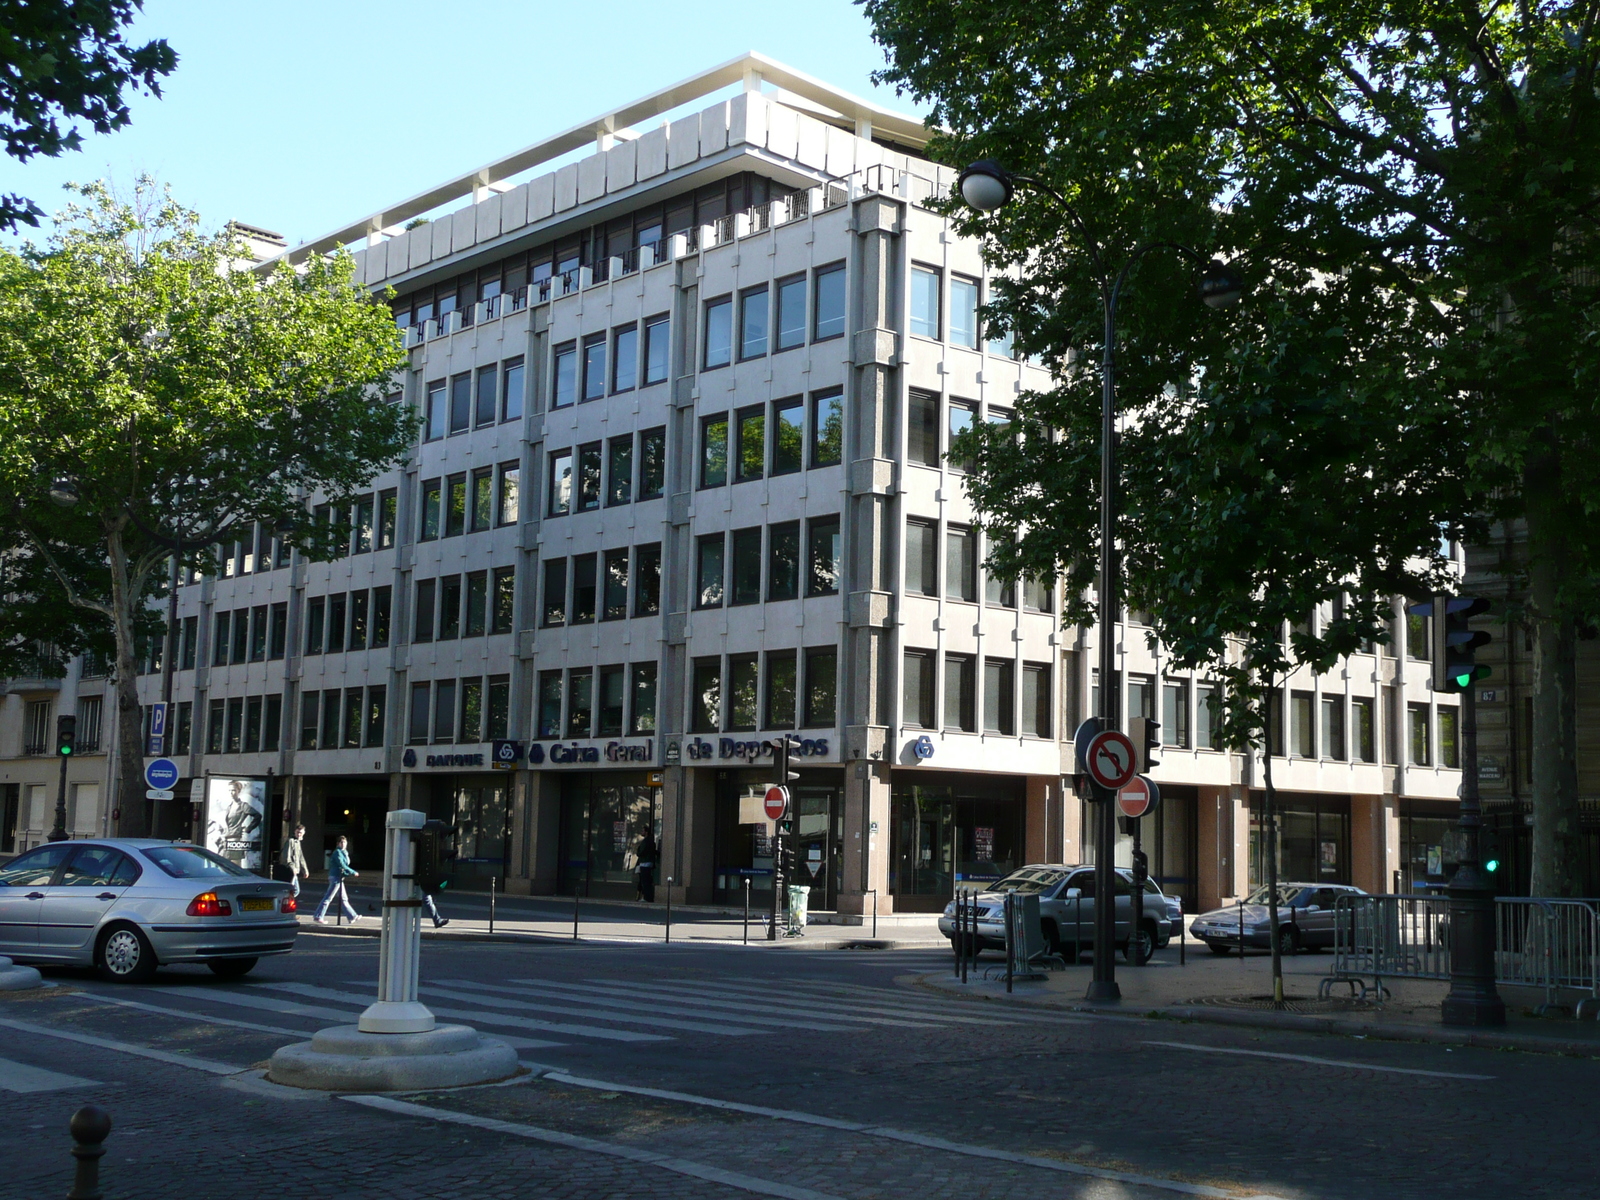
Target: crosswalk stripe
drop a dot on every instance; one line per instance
(196, 1017)
(643, 997)
(893, 1009)
(899, 998)
(743, 1000)
(23, 1077)
(619, 1017)
(474, 1016)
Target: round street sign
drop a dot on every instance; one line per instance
(776, 802)
(1138, 798)
(1110, 761)
(161, 774)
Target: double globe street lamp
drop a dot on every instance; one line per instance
(987, 187)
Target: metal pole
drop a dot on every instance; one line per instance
(491, 904)
(669, 908)
(1182, 941)
(1104, 987)
(747, 910)
(1008, 913)
(574, 916)
(1473, 999)
(90, 1127)
(1138, 897)
(874, 913)
(59, 833)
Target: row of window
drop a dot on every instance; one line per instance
(961, 562)
(469, 502)
(923, 436)
(473, 400)
(584, 702)
(238, 724)
(463, 606)
(610, 363)
(342, 718)
(598, 585)
(735, 693)
(39, 726)
(960, 710)
(467, 711)
(242, 635)
(737, 446)
(728, 566)
(771, 320)
(349, 621)
(957, 322)
(628, 475)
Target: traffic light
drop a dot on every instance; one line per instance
(1455, 646)
(1488, 851)
(66, 736)
(782, 747)
(1141, 867)
(429, 854)
(1145, 733)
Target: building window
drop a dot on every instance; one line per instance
(1175, 713)
(959, 421)
(184, 728)
(381, 607)
(706, 699)
(460, 402)
(961, 564)
(713, 451)
(564, 376)
(594, 366)
(560, 501)
(360, 603)
(747, 566)
(483, 500)
(788, 436)
(444, 710)
(36, 732)
(963, 311)
(608, 722)
(90, 709)
(1302, 727)
(1333, 728)
(647, 580)
(779, 708)
(362, 524)
(791, 330)
(652, 463)
(753, 322)
(423, 615)
(352, 718)
(1036, 719)
(477, 622)
(388, 514)
(822, 678)
(549, 725)
(1449, 738)
(455, 505)
(316, 617)
(750, 434)
(827, 428)
(508, 503)
(584, 588)
(258, 633)
(1365, 748)
(783, 561)
(642, 698)
(471, 727)
(742, 691)
(925, 302)
(376, 697)
(615, 607)
(922, 557)
(998, 590)
(922, 428)
(1421, 743)
(432, 510)
(503, 599)
(449, 608)
(436, 414)
(498, 712)
(488, 398)
(827, 318)
(94, 666)
(999, 698)
(589, 477)
(1418, 645)
(822, 557)
(328, 739)
(1206, 717)
(1036, 595)
(719, 333)
(511, 390)
(655, 349)
(625, 359)
(708, 570)
(310, 722)
(417, 718)
(916, 695)
(619, 470)
(959, 692)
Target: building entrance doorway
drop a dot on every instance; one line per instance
(605, 818)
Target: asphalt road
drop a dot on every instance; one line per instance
(712, 1070)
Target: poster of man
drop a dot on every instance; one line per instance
(236, 818)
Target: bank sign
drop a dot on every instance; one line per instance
(575, 754)
(700, 750)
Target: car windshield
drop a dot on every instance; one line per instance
(192, 862)
(1027, 881)
(1287, 894)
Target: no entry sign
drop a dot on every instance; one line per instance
(776, 803)
(1139, 798)
(1110, 761)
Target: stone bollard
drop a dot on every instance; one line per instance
(90, 1126)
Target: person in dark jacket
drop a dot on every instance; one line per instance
(647, 870)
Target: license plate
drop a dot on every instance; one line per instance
(255, 904)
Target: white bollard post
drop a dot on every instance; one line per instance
(397, 1009)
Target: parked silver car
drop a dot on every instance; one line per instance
(1066, 911)
(128, 905)
(1305, 919)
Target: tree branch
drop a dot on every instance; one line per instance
(73, 597)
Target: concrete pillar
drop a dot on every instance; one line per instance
(1223, 833)
(866, 838)
(1073, 849)
(535, 829)
(1042, 820)
(1374, 842)
(688, 815)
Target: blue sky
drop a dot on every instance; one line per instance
(300, 116)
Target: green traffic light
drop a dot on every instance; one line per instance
(1492, 865)
(66, 751)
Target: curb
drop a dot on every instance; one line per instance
(551, 939)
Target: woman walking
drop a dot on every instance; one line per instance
(338, 871)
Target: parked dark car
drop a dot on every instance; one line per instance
(1305, 919)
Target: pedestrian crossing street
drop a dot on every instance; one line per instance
(537, 1014)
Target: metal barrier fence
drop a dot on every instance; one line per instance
(1539, 943)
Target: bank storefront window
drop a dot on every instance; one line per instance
(949, 832)
(605, 818)
(1313, 838)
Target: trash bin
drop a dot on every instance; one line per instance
(799, 894)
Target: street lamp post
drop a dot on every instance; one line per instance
(63, 492)
(987, 186)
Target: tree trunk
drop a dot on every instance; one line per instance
(128, 789)
(1269, 846)
(1553, 748)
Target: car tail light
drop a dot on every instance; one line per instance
(290, 904)
(207, 904)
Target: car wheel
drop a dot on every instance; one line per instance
(1219, 947)
(232, 968)
(1288, 940)
(125, 955)
(1142, 946)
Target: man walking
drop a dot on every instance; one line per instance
(293, 860)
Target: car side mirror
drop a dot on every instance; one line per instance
(1313, 908)
(1074, 893)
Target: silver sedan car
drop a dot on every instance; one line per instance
(128, 905)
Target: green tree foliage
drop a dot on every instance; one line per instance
(1412, 190)
(60, 62)
(188, 398)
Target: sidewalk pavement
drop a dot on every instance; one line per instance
(549, 918)
(1234, 991)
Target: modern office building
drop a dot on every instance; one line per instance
(686, 377)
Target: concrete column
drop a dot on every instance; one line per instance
(1223, 831)
(1042, 821)
(866, 838)
(688, 815)
(1073, 849)
(1374, 842)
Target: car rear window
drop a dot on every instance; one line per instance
(192, 862)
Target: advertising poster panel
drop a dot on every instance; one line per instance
(236, 820)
